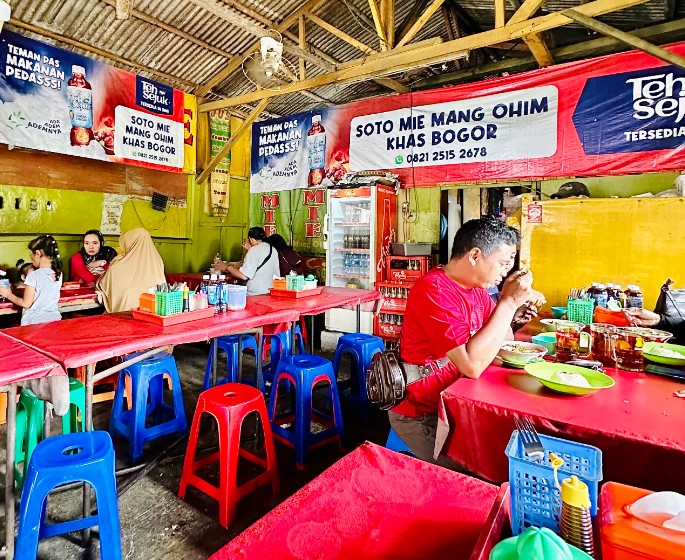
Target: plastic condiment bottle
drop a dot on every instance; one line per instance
(201, 300)
(203, 285)
(620, 295)
(212, 291)
(634, 297)
(186, 298)
(575, 525)
(223, 294)
(600, 295)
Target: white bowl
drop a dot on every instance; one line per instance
(533, 352)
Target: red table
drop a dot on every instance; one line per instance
(17, 363)
(70, 300)
(638, 424)
(373, 503)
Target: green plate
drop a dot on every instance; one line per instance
(543, 372)
(662, 359)
(507, 363)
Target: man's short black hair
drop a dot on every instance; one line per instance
(487, 234)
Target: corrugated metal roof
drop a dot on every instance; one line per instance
(168, 40)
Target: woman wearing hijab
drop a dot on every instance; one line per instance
(92, 260)
(138, 268)
(289, 260)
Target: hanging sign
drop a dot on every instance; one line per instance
(58, 101)
(617, 114)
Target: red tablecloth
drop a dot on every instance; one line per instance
(638, 424)
(373, 503)
(65, 297)
(329, 298)
(18, 362)
(86, 340)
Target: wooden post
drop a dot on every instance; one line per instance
(252, 117)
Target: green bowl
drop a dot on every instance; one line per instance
(559, 312)
(678, 362)
(543, 372)
(548, 340)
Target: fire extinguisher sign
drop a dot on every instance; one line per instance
(535, 213)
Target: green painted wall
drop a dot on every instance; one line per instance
(424, 224)
(623, 186)
(186, 237)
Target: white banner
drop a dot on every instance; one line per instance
(516, 125)
(279, 154)
(147, 138)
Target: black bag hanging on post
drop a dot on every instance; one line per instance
(671, 303)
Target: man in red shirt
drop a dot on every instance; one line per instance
(450, 317)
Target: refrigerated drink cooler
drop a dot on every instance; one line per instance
(361, 223)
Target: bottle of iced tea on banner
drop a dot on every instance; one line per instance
(316, 151)
(80, 101)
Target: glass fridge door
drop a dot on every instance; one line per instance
(349, 229)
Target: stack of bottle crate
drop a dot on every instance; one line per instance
(400, 275)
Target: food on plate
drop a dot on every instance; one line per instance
(520, 348)
(570, 378)
(666, 353)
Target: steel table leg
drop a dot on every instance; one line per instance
(260, 354)
(311, 334)
(9, 472)
(240, 358)
(215, 355)
(359, 317)
(90, 381)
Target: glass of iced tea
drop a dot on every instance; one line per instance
(603, 341)
(572, 342)
(628, 349)
(629, 343)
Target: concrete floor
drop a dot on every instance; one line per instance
(155, 523)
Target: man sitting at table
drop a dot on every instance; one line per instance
(452, 324)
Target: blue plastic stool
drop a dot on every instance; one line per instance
(304, 371)
(79, 457)
(147, 390)
(281, 346)
(229, 344)
(396, 443)
(361, 348)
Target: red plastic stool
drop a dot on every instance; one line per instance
(229, 404)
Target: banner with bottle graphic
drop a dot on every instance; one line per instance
(219, 180)
(613, 115)
(58, 101)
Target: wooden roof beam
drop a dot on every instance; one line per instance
(378, 23)
(182, 34)
(388, 14)
(500, 12)
(526, 11)
(235, 62)
(167, 78)
(244, 127)
(340, 34)
(423, 54)
(661, 33)
(539, 49)
(626, 38)
(123, 8)
(420, 22)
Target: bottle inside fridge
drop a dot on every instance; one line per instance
(350, 234)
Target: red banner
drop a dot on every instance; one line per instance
(613, 115)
